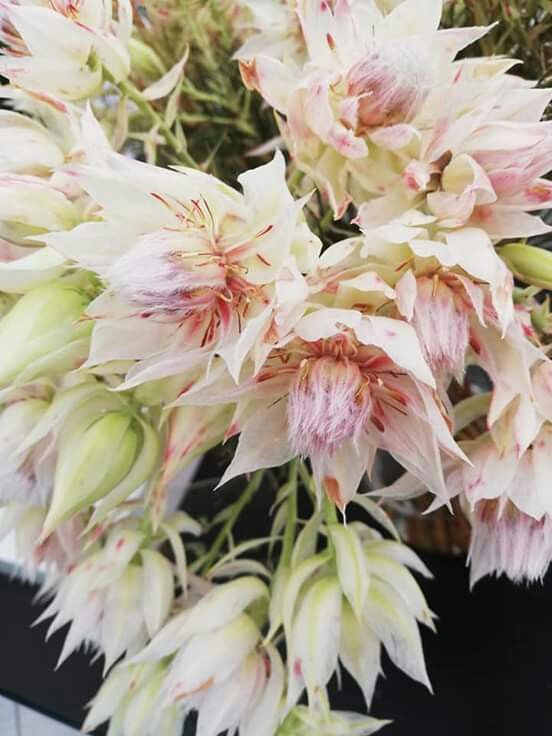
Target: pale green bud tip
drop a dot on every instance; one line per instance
(144, 59)
(529, 264)
(40, 324)
(104, 455)
(302, 721)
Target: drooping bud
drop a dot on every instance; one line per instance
(41, 334)
(529, 264)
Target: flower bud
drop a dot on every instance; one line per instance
(529, 264)
(303, 722)
(26, 147)
(30, 206)
(144, 60)
(110, 453)
(41, 334)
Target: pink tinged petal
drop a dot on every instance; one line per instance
(346, 142)
(490, 475)
(453, 210)
(412, 442)
(524, 493)
(476, 296)
(395, 137)
(396, 628)
(210, 658)
(541, 454)
(122, 626)
(501, 222)
(318, 26)
(263, 442)
(536, 195)
(417, 176)
(464, 175)
(542, 386)
(314, 642)
(264, 716)
(406, 291)
(339, 476)
(359, 652)
(399, 341)
(273, 79)
(226, 703)
(508, 542)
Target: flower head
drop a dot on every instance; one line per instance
(61, 49)
(199, 267)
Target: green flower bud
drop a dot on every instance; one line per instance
(110, 455)
(304, 722)
(144, 60)
(41, 334)
(529, 264)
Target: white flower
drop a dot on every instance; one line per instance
(198, 268)
(60, 50)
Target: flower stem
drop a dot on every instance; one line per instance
(237, 508)
(291, 523)
(134, 94)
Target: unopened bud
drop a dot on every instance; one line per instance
(106, 454)
(41, 334)
(144, 60)
(529, 264)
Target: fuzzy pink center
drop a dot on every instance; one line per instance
(328, 404)
(507, 541)
(441, 320)
(390, 87)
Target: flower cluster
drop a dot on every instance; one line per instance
(321, 313)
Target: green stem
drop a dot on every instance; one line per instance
(291, 522)
(134, 94)
(237, 508)
(295, 180)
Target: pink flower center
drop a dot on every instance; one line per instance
(441, 320)
(328, 404)
(336, 391)
(508, 541)
(391, 87)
